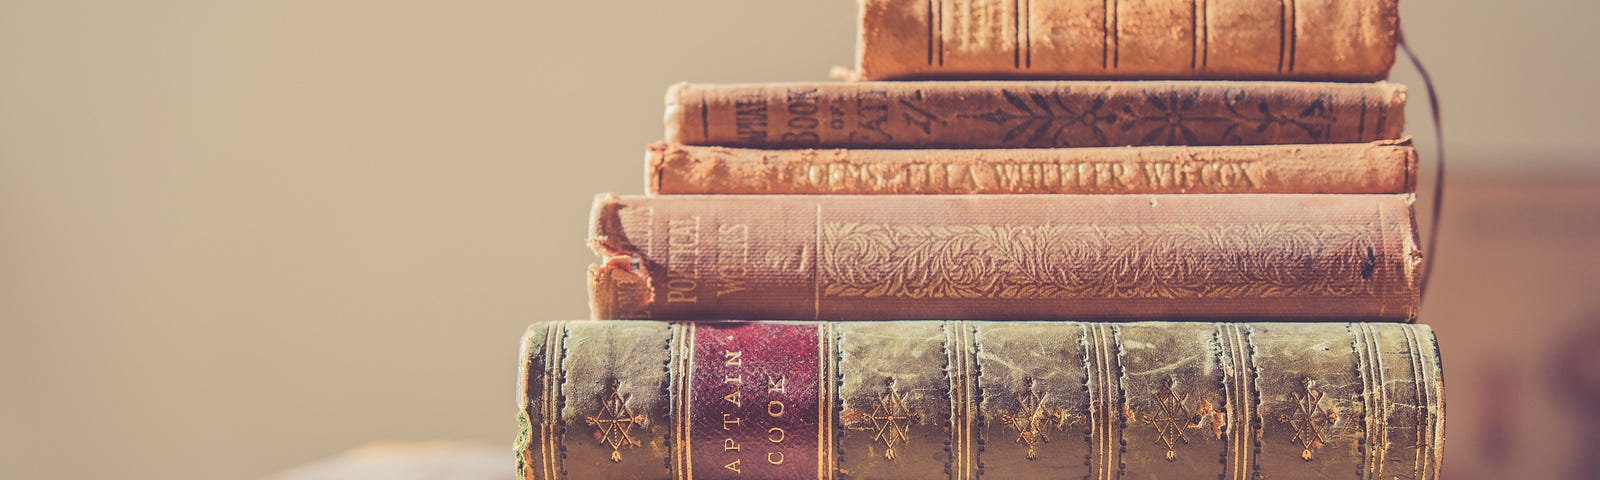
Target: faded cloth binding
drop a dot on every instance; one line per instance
(1032, 114)
(1378, 167)
(1006, 257)
(1343, 40)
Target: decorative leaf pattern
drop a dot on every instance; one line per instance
(875, 260)
(1169, 118)
(1175, 116)
(1047, 119)
(1260, 119)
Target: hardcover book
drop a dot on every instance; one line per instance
(964, 400)
(1227, 39)
(1377, 167)
(1005, 257)
(1032, 114)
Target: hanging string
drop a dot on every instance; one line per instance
(1430, 249)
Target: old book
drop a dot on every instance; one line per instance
(1378, 167)
(1005, 257)
(1233, 39)
(960, 400)
(1033, 114)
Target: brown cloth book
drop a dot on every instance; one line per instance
(1005, 257)
(960, 400)
(1032, 114)
(1348, 40)
(1378, 167)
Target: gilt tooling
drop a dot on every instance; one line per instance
(958, 399)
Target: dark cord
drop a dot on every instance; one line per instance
(1430, 250)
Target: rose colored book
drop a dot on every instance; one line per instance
(1006, 257)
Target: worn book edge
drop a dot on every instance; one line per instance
(619, 283)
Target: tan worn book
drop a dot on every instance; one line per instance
(1378, 167)
(1031, 114)
(966, 400)
(1134, 39)
(1005, 257)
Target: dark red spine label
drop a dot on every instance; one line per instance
(754, 401)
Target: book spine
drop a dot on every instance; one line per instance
(1347, 40)
(962, 400)
(1378, 167)
(1031, 114)
(1005, 257)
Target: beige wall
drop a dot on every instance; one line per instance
(237, 236)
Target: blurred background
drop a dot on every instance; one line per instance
(241, 236)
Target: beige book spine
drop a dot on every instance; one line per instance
(1377, 167)
(1221, 39)
(1034, 114)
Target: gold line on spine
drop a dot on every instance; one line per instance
(1413, 347)
(547, 449)
(816, 268)
(688, 401)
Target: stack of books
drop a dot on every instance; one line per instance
(1094, 239)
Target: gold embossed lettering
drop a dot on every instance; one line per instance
(677, 289)
(1190, 175)
(1248, 176)
(917, 176)
(1119, 175)
(1159, 174)
(1102, 174)
(683, 255)
(733, 256)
